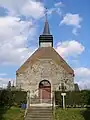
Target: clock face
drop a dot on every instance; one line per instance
(45, 44)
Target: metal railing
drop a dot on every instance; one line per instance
(40, 101)
(28, 103)
(53, 104)
(31, 101)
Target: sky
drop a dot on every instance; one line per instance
(21, 23)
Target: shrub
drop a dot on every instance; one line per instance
(9, 98)
(74, 98)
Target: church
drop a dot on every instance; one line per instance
(45, 70)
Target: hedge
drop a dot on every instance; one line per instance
(74, 98)
(9, 98)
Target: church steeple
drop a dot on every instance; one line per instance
(46, 39)
(46, 30)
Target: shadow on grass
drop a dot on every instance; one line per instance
(3, 110)
(86, 113)
(4, 103)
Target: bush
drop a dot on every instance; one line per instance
(10, 98)
(74, 98)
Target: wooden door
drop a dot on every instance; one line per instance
(45, 90)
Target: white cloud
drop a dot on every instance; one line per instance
(4, 82)
(3, 74)
(27, 8)
(14, 32)
(34, 9)
(69, 48)
(58, 4)
(82, 77)
(72, 20)
(13, 42)
(50, 11)
(56, 9)
(82, 72)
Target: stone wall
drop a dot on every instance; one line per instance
(44, 69)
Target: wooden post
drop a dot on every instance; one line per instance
(54, 104)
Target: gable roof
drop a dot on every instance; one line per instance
(46, 53)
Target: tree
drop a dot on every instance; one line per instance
(9, 85)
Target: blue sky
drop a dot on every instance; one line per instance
(21, 23)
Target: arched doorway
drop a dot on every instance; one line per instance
(45, 90)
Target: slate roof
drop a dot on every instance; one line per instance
(45, 53)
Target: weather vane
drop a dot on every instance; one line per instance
(46, 10)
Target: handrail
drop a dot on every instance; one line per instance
(28, 103)
(53, 104)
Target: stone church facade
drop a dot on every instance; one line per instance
(45, 70)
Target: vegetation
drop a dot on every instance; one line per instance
(9, 85)
(10, 105)
(8, 99)
(74, 98)
(13, 113)
(73, 114)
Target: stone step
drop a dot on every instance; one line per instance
(40, 109)
(30, 115)
(30, 118)
(39, 113)
(42, 114)
(39, 119)
(49, 108)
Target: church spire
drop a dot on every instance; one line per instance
(46, 39)
(46, 30)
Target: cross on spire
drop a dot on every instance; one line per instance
(46, 14)
(46, 30)
(46, 39)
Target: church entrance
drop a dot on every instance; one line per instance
(45, 91)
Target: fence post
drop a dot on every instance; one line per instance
(54, 104)
(28, 102)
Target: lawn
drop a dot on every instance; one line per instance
(72, 114)
(13, 113)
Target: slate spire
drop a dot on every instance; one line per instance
(46, 30)
(46, 39)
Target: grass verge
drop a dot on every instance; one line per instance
(72, 114)
(14, 113)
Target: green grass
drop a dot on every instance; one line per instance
(14, 113)
(72, 114)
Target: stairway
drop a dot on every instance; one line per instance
(39, 113)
